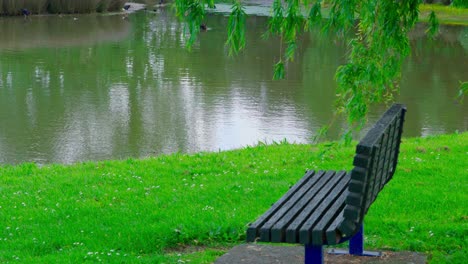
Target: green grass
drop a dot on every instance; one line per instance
(445, 14)
(195, 207)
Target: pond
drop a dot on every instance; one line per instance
(111, 87)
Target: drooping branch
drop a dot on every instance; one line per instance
(377, 49)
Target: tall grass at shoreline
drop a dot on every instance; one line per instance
(181, 208)
(13, 7)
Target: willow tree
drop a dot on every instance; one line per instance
(377, 48)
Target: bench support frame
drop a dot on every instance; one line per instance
(313, 254)
(356, 247)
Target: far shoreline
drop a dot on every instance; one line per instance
(446, 15)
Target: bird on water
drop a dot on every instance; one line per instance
(25, 12)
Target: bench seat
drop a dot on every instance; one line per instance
(309, 213)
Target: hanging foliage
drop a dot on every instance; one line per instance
(236, 29)
(377, 48)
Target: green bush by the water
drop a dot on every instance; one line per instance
(460, 3)
(14, 7)
(192, 208)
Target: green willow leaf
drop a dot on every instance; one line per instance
(236, 29)
(276, 20)
(291, 50)
(192, 13)
(279, 72)
(463, 91)
(210, 3)
(433, 28)
(315, 15)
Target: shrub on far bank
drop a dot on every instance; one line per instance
(460, 3)
(103, 6)
(13, 7)
(116, 5)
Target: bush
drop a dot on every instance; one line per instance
(116, 5)
(86, 6)
(60, 6)
(460, 3)
(103, 6)
(36, 6)
(13, 7)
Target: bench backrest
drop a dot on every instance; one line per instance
(374, 164)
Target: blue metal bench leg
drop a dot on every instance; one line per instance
(356, 243)
(356, 246)
(313, 254)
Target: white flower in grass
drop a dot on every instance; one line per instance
(206, 208)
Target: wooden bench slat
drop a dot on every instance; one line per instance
(292, 231)
(310, 197)
(285, 230)
(388, 156)
(376, 168)
(292, 199)
(354, 199)
(326, 204)
(395, 144)
(393, 148)
(332, 234)
(399, 133)
(318, 232)
(361, 160)
(355, 186)
(252, 231)
(372, 136)
(352, 212)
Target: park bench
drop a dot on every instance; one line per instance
(328, 207)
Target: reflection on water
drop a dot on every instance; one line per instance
(19, 33)
(130, 89)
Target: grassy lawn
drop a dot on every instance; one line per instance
(192, 208)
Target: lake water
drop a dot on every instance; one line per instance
(111, 87)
